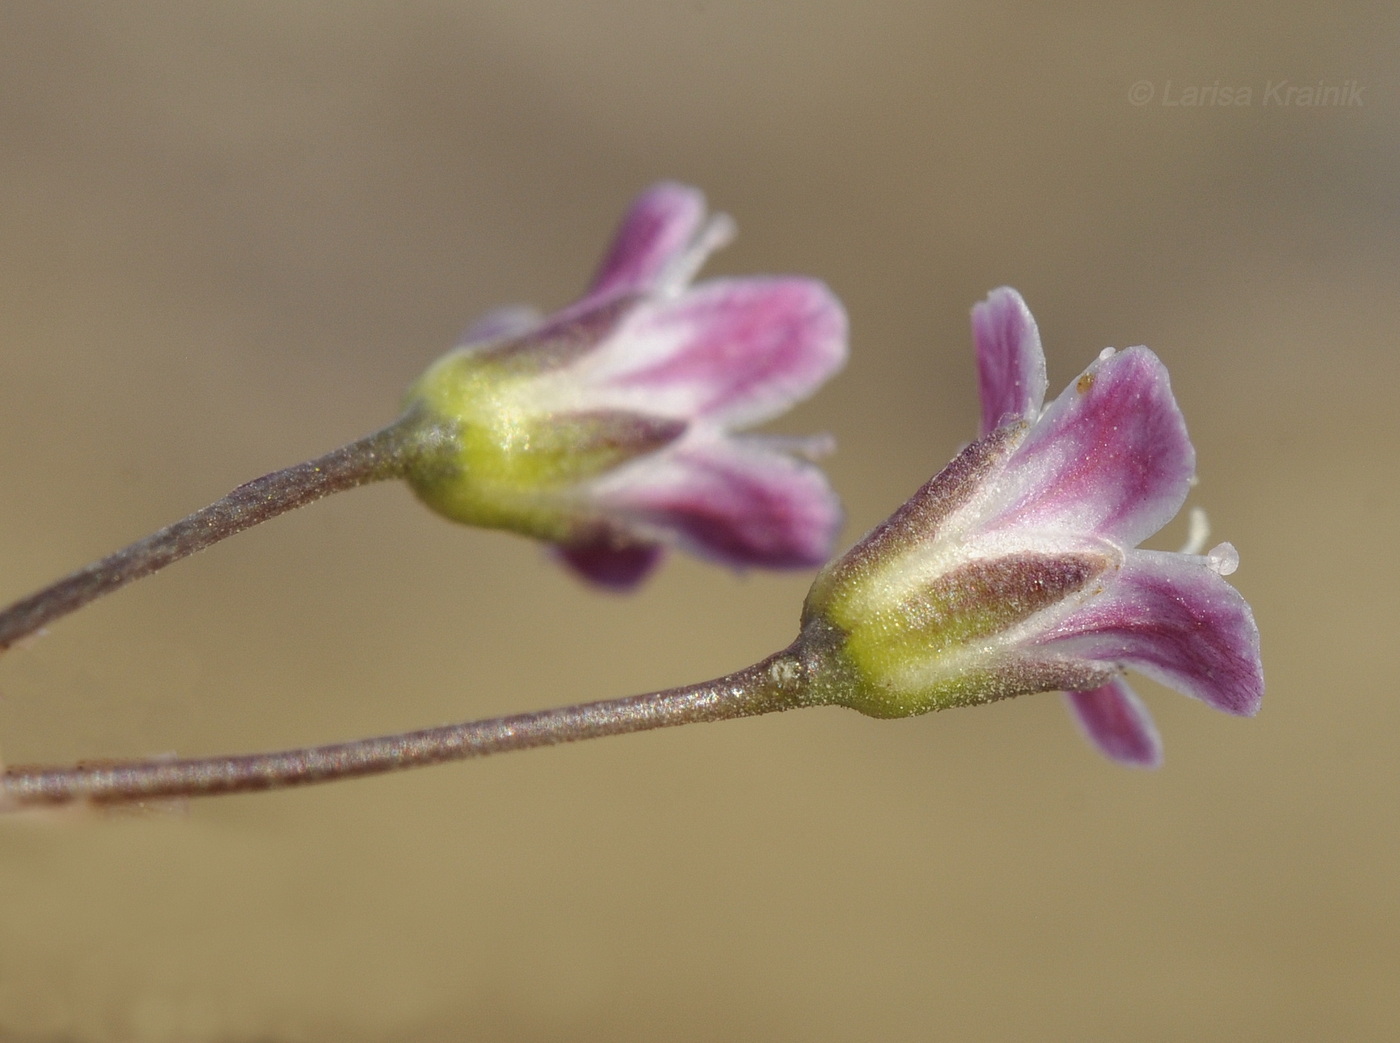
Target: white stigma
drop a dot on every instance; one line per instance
(1224, 559)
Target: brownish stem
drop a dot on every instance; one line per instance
(373, 458)
(774, 684)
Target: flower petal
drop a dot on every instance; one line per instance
(660, 225)
(1110, 456)
(1172, 618)
(730, 500)
(1010, 362)
(736, 351)
(1115, 720)
(616, 568)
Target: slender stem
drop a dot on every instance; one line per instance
(774, 684)
(381, 455)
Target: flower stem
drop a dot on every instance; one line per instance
(774, 684)
(384, 454)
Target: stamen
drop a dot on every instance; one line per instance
(719, 231)
(805, 447)
(1197, 532)
(1222, 560)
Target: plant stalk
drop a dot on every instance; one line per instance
(384, 454)
(772, 685)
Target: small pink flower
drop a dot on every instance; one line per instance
(1017, 569)
(609, 428)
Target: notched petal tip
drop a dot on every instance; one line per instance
(1010, 361)
(1114, 719)
(658, 227)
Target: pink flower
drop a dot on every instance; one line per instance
(609, 428)
(1017, 569)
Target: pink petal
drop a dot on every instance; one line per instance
(1114, 720)
(1010, 363)
(612, 568)
(1172, 618)
(660, 224)
(730, 500)
(738, 351)
(1110, 456)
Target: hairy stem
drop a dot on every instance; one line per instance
(376, 457)
(774, 684)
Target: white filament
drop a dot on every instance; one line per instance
(717, 232)
(1197, 532)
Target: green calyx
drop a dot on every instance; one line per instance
(947, 641)
(507, 465)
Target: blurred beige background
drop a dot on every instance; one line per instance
(231, 234)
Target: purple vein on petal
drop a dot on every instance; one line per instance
(733, 501)
(1110, 456)
(736, 351)
(1173, 619)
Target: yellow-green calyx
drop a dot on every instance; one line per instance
(512, 460)
(950, 640)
